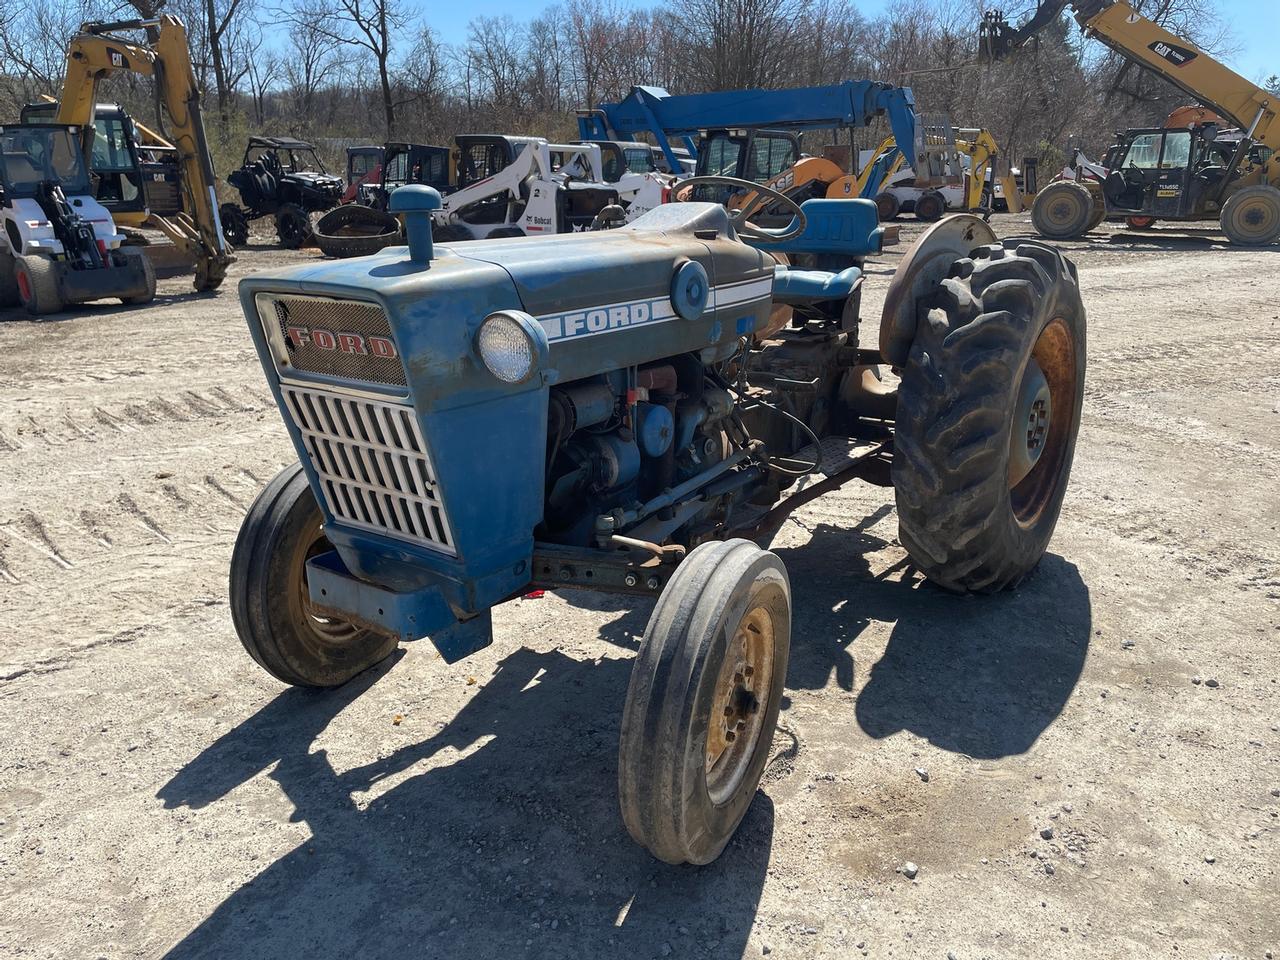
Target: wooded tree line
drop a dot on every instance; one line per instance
(370, 70)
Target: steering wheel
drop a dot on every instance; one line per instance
(764, 196)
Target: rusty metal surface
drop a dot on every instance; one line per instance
(923, 267)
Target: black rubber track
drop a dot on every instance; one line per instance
(662, 778)
(955, 410)
(269, 621)
(383, 231)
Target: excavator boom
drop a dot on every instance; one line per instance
(95, 52)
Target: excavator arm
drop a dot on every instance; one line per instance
(95, 53)
(1124, 30)
(982, 151)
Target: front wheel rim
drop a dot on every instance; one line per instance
(739, 704)
(328, 631)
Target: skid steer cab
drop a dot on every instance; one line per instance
(58, 244)
(633, 411)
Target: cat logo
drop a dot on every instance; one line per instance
(117, 58)
(1174, 54)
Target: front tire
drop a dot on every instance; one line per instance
(450, 233)
(37, 281)
(1251, 217)
(1065, 210)
(235, 225)
(293, 226)
(988, 412)
(8, 280)
(887, 207)
(148, 273)
(270, 605)
(703, 701)
(930, 207)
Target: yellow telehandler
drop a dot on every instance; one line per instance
(1178, 173)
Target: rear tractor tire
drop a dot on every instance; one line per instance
(1251, 217)
(293, 227)
(702, 705)
(505, 233)
(1065, 210)
(270, 605)
(37, 281)
(931, 206)
(988, 412)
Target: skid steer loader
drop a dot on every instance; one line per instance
(58, 244)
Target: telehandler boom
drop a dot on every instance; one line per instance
(94, 53)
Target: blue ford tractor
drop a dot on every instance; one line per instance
(632, 411)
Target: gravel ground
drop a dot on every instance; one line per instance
(1088, 766)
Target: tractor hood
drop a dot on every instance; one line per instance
(378, 355)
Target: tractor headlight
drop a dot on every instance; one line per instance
(512, 345)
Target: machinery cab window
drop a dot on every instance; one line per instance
(411, 163)
(36, 154)
(639, 159)
(361, 161)
(114, 160)
(769, 155)
(756, 155)
(481, 157)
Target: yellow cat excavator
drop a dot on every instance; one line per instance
(96, 52)
(1168, 173)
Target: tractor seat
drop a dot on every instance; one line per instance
(798, 287)
(263, 181)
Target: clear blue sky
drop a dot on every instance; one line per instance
(1254, 23)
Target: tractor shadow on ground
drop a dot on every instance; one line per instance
(93, 309)
(513, 848)
(983, 676)
(1183, 239)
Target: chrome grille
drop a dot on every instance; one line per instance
(374, 468)
(347, 339)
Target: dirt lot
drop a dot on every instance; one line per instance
(160, 795)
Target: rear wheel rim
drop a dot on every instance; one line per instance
(738, 704)
(24, 286)
(1054, 358)
(1257, 218)
(1064, 211)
